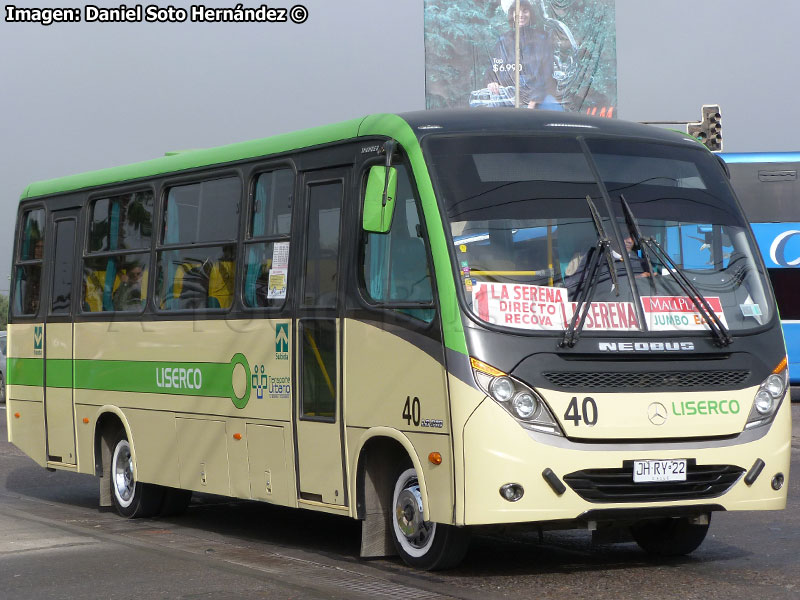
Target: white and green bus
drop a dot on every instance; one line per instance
(429, 322)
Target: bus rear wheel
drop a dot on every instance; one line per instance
(423, 544)
(669, 537)
(132, 499)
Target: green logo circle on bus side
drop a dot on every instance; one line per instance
(240, 401)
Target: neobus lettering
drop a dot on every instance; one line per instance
(178, 377)
(645, 346)
(689, 408)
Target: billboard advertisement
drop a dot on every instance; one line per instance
(554, 54)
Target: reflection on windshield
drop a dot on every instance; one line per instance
(524, 236)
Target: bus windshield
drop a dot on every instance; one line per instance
(520, 216)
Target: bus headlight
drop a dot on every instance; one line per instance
(501, 389)
(524, 405)
(769, 396)
(775, 386)
(519, 400)
(764, 402)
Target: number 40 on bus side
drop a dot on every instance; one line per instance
(411, 410)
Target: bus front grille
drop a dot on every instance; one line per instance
(646, 379)
(616, 485)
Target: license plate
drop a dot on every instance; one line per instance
(645, 471)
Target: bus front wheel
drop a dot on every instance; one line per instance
(423, 544)
(669, 537)
(131, 498)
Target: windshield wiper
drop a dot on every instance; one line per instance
(588, 285)
(650, 245)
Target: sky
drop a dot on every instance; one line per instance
(76, 97)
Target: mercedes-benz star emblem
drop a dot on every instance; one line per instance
(657, 413)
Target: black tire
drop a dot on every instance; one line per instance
(669, 537)
(2, 389)
(131, 499)
(422, 544)
(175, 502)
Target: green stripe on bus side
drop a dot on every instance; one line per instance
(397, 128)
(214, 379)
(126, 376)
(25, 371)
(59, 372)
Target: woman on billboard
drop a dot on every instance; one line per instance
(537, 45)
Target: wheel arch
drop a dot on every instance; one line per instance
(110, 419)
(389, 444)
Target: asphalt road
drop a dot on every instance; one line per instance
(55, 543)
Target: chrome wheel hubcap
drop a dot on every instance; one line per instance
(408, 513)
(123, 473)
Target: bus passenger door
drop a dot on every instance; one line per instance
(58, 339)
(318, 401)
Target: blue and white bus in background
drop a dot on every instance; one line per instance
(769, 190)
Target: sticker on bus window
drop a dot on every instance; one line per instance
(606, 316)
(750, 310)
(280, 256)
(522, 306)
(277, 284)
(545, 308)
(678, 313)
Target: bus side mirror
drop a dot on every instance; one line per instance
(379, 199)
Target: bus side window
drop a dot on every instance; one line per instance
(266, 251)
(28, 274)
(197, 259)
(115, 272)
(394, 265)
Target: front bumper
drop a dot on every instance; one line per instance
(497, 451)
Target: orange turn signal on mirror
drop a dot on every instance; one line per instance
(781, 365)
(435, 458)
(237, 436)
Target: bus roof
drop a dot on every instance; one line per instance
(760, 157)
(403, 127)
(488, 120)
(191, 159)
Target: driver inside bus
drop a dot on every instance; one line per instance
(639, 265)
(574, 273)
